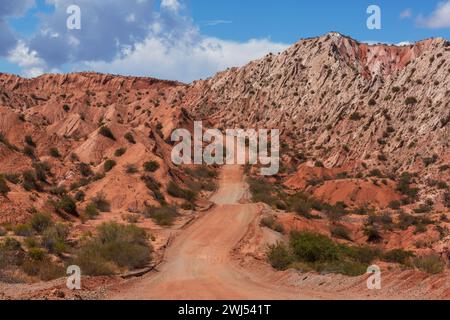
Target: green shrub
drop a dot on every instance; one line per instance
(54, 152)
(42, 169)
(11, 253)
(177, 192)
(395, 205)
(279, 256)
(372, 234)
(85, 169)
(120, 152)
(163, 216)
(80, 196)
(54, 238)
(131, 169)
(151, 166)
(41, 221)
(154, 186)
(29, 181)
(109, 165)
(340, 232)
(398, 256)
(410, 101)
(115, 245)
(91, 211)
(23, 230)
(130, 138)
(101, 202)
(44, 269)
(431, 264)
(67, 204)
(312, 247)
(106, 132)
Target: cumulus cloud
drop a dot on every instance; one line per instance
(440, 18)
(10, 9)
(187, 60)
(107, 28)
(132, 38)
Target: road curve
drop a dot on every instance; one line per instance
(199, 264)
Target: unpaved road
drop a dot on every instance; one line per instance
(199, 264)
(203, 263)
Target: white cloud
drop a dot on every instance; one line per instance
(186, 60)
(23, 56)
(172, 5)
(216, 22)
(440, 18)
(405, 14)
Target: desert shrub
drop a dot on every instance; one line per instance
(79, 196)
(101, 202)
(91, 211)
(29, 152)
(398, 256)
(66, 108)
(14, 178)
(151, 166)
(85, 169)
(4, 189)
(372, 234)
(54, 238)
(23, 230)
(271, 223)
(312, 247)
(106, 132)
(42, 170)
(11, 253)
(261, 191)
(202, 172)
(120, 152)
(154, 187)
(279, 256)
(431, 264)
(54, 152)
(163, 216)
(405, 188)
(67, 204)
(177, 192)
(29, 141)
(410, 101)
(2, 231)
(109, 165)
(131, 169)
(129, 137)
(372, 102)
(356, 116)
(395, 205)
(41, 266)
(29, 181)
(115, 245)
(340, 232)
(40, 221)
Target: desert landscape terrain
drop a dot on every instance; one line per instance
(86, 179)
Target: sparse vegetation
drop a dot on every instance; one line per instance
(177, 192)
(163, 216)
(106, 132)
(130, 138)
(151, 166)
(109, 165)
(115, 247)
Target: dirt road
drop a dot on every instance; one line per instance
(199, 264)
(203, 263)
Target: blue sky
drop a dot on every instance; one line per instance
(190, 39)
